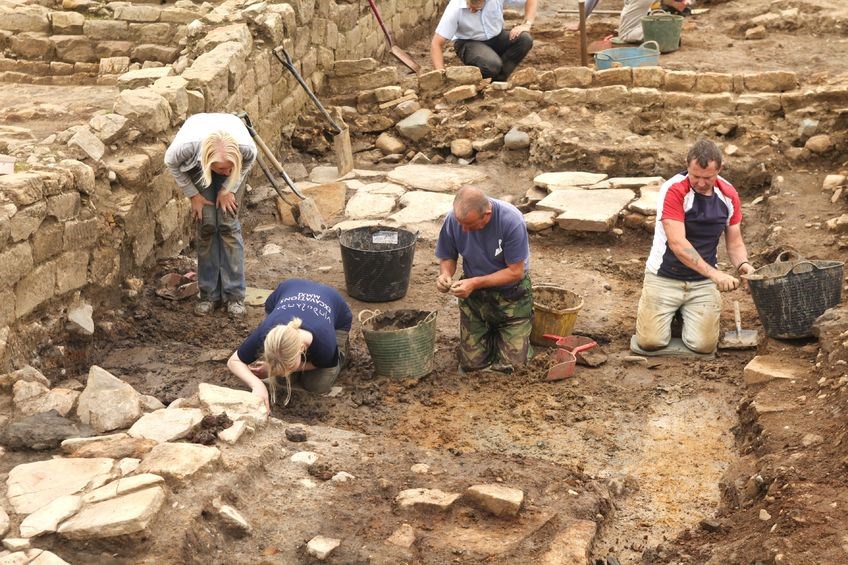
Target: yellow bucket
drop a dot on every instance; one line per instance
(554, 312)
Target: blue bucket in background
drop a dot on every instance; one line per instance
(641, 56)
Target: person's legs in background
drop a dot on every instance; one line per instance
(479, 54)
(630, 24)
(511, 53)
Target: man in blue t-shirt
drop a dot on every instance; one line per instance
(495, 294)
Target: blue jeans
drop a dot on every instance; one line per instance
(220, 249)
(497, 57)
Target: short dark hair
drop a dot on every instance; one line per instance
(704, 152)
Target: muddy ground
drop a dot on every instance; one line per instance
(666, 438)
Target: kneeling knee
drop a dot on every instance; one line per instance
(650, 343)
(702, 344)
(525, 41)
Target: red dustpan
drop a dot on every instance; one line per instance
(565, 355)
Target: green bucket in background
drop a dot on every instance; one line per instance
(664, 28)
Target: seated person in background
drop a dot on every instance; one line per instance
(630, 24)
(305, 332)
(693, 211)
(479, 38)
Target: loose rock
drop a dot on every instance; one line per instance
(321, 547)
(295, 434)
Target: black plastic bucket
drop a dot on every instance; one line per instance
(377, 262)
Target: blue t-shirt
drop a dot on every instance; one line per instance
(502, 242)
(321, 309)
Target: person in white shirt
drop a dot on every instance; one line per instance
(209, 159)
(476, 28)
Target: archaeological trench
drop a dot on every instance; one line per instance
(126, 440)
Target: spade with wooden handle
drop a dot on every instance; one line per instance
(739, 338)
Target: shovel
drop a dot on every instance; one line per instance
(339, 131)
(308, 216)
(739, 339)
(399, 53)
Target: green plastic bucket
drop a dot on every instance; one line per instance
(664, 28)
(402, 343)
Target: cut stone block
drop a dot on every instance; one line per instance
(764, 368)
(426, 498)
(500, 500)
(321, 547)
(369, 205)
(539, 220)
(166, 424)
(122, 486)
(178, 460)
(647, 202)
(237, 404)
(108, 403)
(47, 518)
(587, 210)
(567, 178)
(436, 178)
(118, 516)
(420, 206)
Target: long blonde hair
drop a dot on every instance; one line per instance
(282, 355)
(217, 147)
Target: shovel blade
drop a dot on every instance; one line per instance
(745, 339)
(404, 58)
(344, 152)
(309, 217)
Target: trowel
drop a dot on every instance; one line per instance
(739, 339)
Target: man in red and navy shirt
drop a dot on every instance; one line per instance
(693, 211)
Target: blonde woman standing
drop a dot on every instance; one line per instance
(210, 158)
(304, 337)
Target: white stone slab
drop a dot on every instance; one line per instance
(386, 188)
(587, 210)
(237, 404)
(420, 207)
(321, 547)
(232, 434)
(567, 178)
(304, 458)
(647, 202)
(500, 500)
(435, 178)
(369, 205)
(108, 403)
(166, 424)
(634, 182)
(764, 368)
(178, 460)
(47, 518)
(539, 220)
(427, 498)
(125, 514)
(124, 485)
(32, 485)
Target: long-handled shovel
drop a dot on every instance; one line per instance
(739, 339)
(399, 53)
(339, 131)
(308, 216)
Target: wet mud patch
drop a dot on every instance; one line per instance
(397, 320)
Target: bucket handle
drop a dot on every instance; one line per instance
(373, 314)
(659, 12)
(792, 271)
(600, 56)
(655, 44)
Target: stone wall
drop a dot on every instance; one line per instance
(93, 204)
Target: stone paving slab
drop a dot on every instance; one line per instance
(435, 178)
(421, 206)
(567, 178)
(32, 485)
(118, 516)
(647, 202)
(587, 210)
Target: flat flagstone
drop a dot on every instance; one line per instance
(420, 207)
(629, 182)
(166, 424)
(500, 500)
(369, 205)
(426, 498)
(237, 404)
(647, 202)
(539, 220)
(125, 514)
(567, 178)
(113, 446)
(587, 210)
(435, 178)
(385, 188)
(46, 519)
(764, 368)
(178, 460)
(122, 486)
(33, 556)
(32, 485)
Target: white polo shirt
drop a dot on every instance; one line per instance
(458, 22)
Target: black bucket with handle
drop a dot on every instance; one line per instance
(377, 262)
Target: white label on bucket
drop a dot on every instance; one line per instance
(385, 237)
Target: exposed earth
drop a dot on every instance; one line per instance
(675, 460)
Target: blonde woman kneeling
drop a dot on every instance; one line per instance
(304, 335)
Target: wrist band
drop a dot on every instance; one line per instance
(740, 265)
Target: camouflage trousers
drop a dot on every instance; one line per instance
(494, 326)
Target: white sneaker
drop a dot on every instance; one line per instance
(204, 307)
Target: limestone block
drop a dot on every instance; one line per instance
(403, 537)
(107, 403)
(66, 23)
(525, 76)
(384, 76)
(113, 446)
(22, 189)
(515, 139)
(34, 289)
(209, 73)
(174, 15)
(608, 96)
(573, 77)
(47, 518)
(135, 12)
(178, 461)
(771, 81)
(122, 515)
(431, 80)
(387, 93)
(764, 368)
(143, 77)
(106, 29)
(122, 486)
(553, 181)
(567, 96)
(74, 49)
(415, 126)
(764, 102)
(31, 45)
(26, 220)
(547, 80)
(434, 499)
(613, 76)
(31, 486)
(539, 220)
(460, 93)
(71, 271)
(34, 398)
(329, 198)
(368, 205)
(133, 170)
(500, 500)
(232, 434)
(525, 94)
(166, 424)
(237, 404)
(587, 210)
(711, 83)
(63, 206)
(113, 49)
(7, 307)
(145, 109)
(723, 102)
(682, 100)
(142, 246)
(80, 234)
(237, 33)
(105, 266)
(160, 34)
(27, 374)
(80, 319)
(461, 148)
(168, 220)
(647, 202)
(681, 81)
(818, 144)
(25, 18)
(320, 547)
(350, 67)
(388, 144)
(832, 182)
(422, 206)
(113, 66)
(648, 77)
(435, 178)
(87, 145)
(463, 74)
